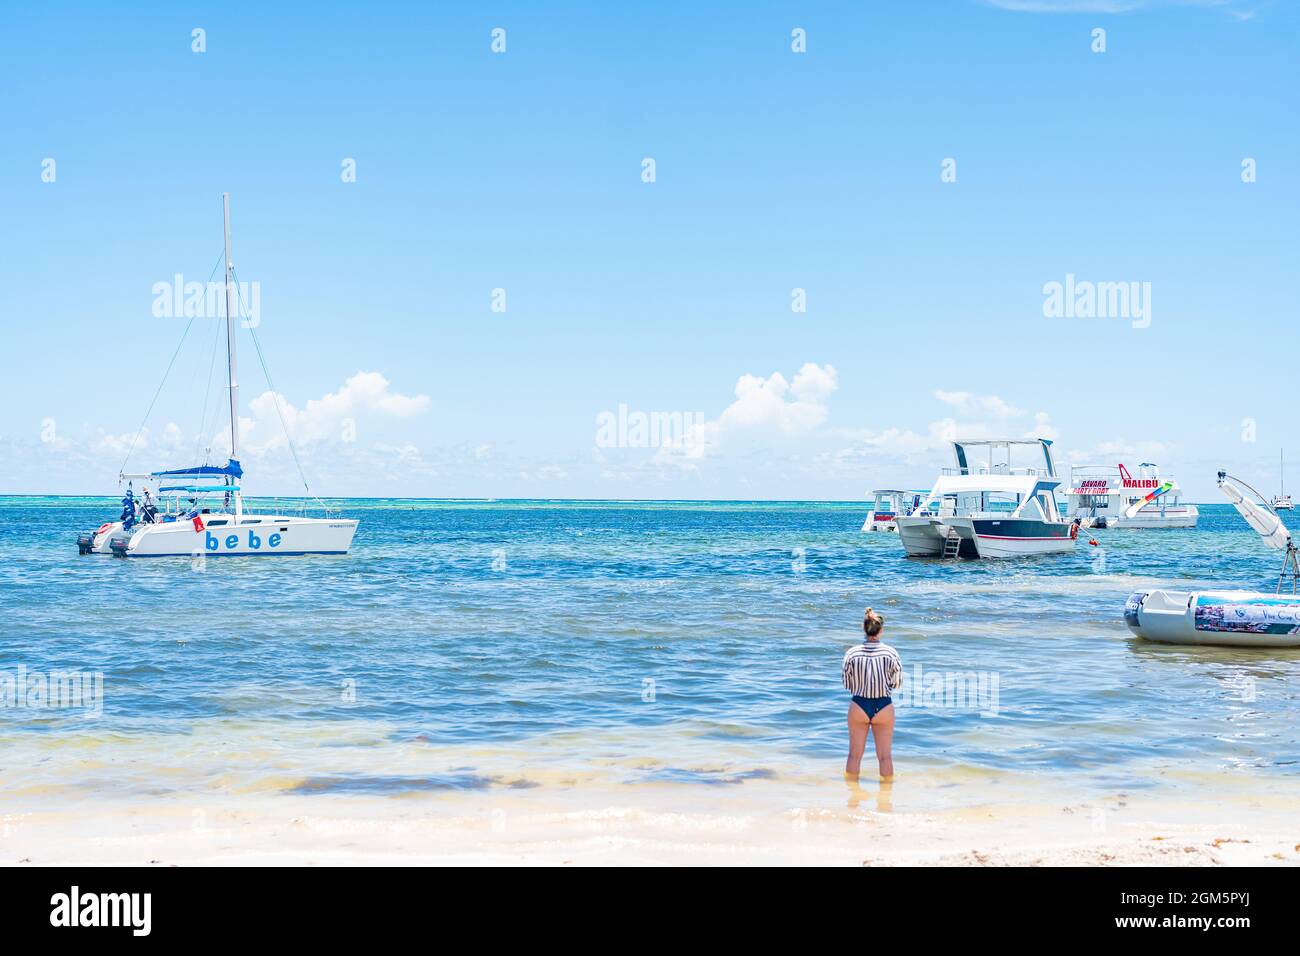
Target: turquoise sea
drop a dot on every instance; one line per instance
(472, 644)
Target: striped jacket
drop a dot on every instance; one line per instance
(872, 669)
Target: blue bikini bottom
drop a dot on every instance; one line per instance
(872, 705)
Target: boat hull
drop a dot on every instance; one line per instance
(984, 537)
(1016, 537)
(922, 537)
(222, 538)
(880, 521)
(100, 538)
(1215, 618)
(1184, 516)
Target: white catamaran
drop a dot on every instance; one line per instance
(995, 508)
(181, 522)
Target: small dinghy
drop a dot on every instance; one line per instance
(1227, 618)
(1222, 618)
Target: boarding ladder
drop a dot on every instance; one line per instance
(951, 544)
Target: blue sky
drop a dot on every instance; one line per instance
(774, 171)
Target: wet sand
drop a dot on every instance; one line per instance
(668, 824)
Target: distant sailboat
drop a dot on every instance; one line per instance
(1282, 501)
(176, 523)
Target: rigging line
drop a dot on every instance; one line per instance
(144, 420)
(275, 394)
(136, 437)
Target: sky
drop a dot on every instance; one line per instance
(810, 243)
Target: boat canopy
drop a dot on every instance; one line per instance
(199, 489)
(231, 468)
(1028, 485)
(999, 455)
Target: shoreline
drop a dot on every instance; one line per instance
(504, 812)
(506, 829)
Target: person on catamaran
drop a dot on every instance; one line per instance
(128, 508)
(872, 672)
(148, 509)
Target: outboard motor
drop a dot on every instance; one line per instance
(1099, 522)
(118, 544)
(86, 542)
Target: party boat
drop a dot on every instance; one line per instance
(990, 506)
(200, 510)
(1104, 497)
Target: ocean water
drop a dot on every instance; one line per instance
(466, 646)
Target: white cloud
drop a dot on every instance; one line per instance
(120, 444)
(170, 439)
(969, 404)
(1111, 452)
(763, 406)
(407, 454)
(327, 418)
(978, 417)
(1043, 428)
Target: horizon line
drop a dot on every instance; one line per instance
(820, 501)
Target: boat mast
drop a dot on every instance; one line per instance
(230, 348)
(230, 336)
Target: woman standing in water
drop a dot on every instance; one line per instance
(872, 671)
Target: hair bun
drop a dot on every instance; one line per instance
(872, 623)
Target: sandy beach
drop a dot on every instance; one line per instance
(665, 825)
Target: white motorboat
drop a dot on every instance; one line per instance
(887, 505)
(992, 507)
(1227, 618)
(1104, 497)
(200, 511)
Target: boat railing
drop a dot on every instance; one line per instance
(1101, 471)
(291, 507)
(996, 471)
